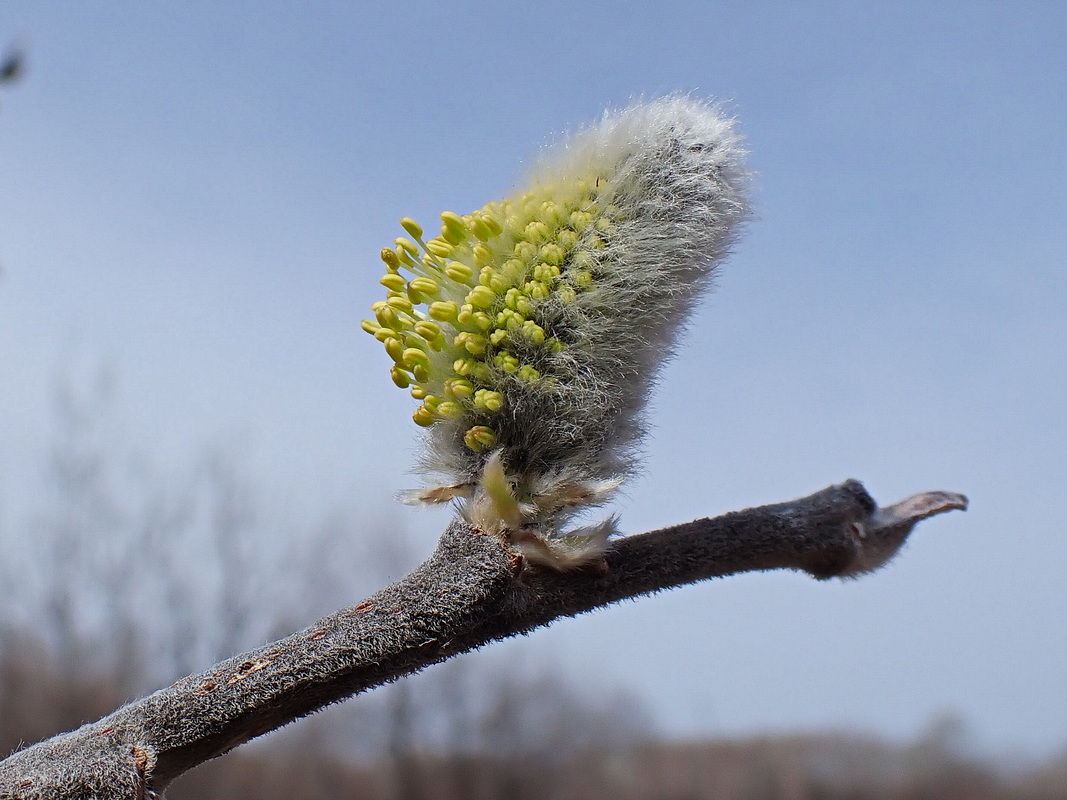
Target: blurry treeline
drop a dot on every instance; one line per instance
(120, 577)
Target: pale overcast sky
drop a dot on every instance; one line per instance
(197, 192)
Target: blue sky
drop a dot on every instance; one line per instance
(196, 193)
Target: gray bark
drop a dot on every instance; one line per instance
(471, 591)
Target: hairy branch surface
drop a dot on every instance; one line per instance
(471, 591)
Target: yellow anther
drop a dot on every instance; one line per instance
(424, 286)
(506, 361)
(459, 388)
(475, 344)
(525, 251)
(480, 438)
(449, 409)
(421, 373)
(491, 222)
(512, 270)
(480, 229)
(538, 290)
(427, 330)
(537, 231)
(440, 248)
(481, 297)
(458, 271)
(452, 219)
(416, 355)
(489, 400)
(580, 220)
(383, 335)
(392, 262)
(400, 377)
(418, 392)
(528, 373)
(412, 227)
(566, 294)
(482, 320)
(401, 304)
(393, 281)
(395, 348)
(452, 235)
(453, 229)
(463, 366)
(567, 238)
(551, 212)
(431, 401)
(424, 417)
(582, 278)
(404, 257)
(466, 313)
(482, 254)
(407, 246)
(444, 311)
(510, 319)
(497, 336)
(546, 273)
(370, 327)
(387, 317)
(534, 332)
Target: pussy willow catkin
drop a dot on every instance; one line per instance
(531, 329)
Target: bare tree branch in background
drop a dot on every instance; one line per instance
(472, 590)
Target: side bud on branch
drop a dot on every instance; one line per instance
(532, 329)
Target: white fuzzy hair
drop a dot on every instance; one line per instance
(675, 177)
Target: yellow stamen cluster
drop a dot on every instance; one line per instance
(460, 319)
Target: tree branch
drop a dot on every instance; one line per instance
(471, 591)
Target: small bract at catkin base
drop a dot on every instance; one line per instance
(532, 329)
